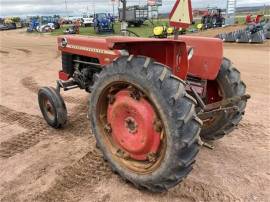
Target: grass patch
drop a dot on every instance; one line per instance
(145, 30)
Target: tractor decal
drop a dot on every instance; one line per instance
(93, 50)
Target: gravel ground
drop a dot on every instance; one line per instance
(38, 163)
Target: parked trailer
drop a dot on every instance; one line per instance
(135, 15)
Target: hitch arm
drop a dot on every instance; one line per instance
(211, 109)
(66, 85)
(226, 102)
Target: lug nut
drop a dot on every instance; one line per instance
(158, 125)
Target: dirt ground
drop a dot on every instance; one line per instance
(38, 163)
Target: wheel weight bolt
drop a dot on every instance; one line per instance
(122, 154)
(152, 157)
(108, 128)
(135, 94)
(157, 125)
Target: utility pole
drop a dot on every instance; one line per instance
(94, 6)
(113, 2)
(124, 24)
(66, 7)
(124, 2)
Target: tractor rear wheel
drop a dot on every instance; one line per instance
(144, 123)
(227, 85)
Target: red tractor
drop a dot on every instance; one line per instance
(153, 102)
(213, 18)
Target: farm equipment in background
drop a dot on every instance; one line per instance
(103, 22)
(52, 21)
(43, 23)
(153, 102)
(3, 27)
(213, 18)
(135, 15)
(257, 20)
(88, 20)
(266, 29)
(12, 22)
(256, 31)
(163, 31)
(74, 29)
(33, 24)
(253, 33)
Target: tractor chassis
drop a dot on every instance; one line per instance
(204, 111)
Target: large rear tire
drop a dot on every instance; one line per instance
(229, 85)
(178, 128)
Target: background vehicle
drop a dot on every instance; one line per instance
(43, 23)
(3, 27)
(213, 18)
(13, 22)
(74, 29)
(88, 20)
(32, 24)
(103, 22)
(135, 15)
(153, 102)
(52, 21)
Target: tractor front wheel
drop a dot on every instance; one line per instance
(52, 107)
(227, 85)
(144, 123)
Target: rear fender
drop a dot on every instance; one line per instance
(168, 52)
(207, 56)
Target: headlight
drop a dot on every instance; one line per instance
(64, 42)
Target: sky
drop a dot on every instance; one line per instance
(76, 7)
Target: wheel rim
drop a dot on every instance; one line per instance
(48, 109)
(132, 122)
(131, 128)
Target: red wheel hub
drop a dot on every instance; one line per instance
(132, 122)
